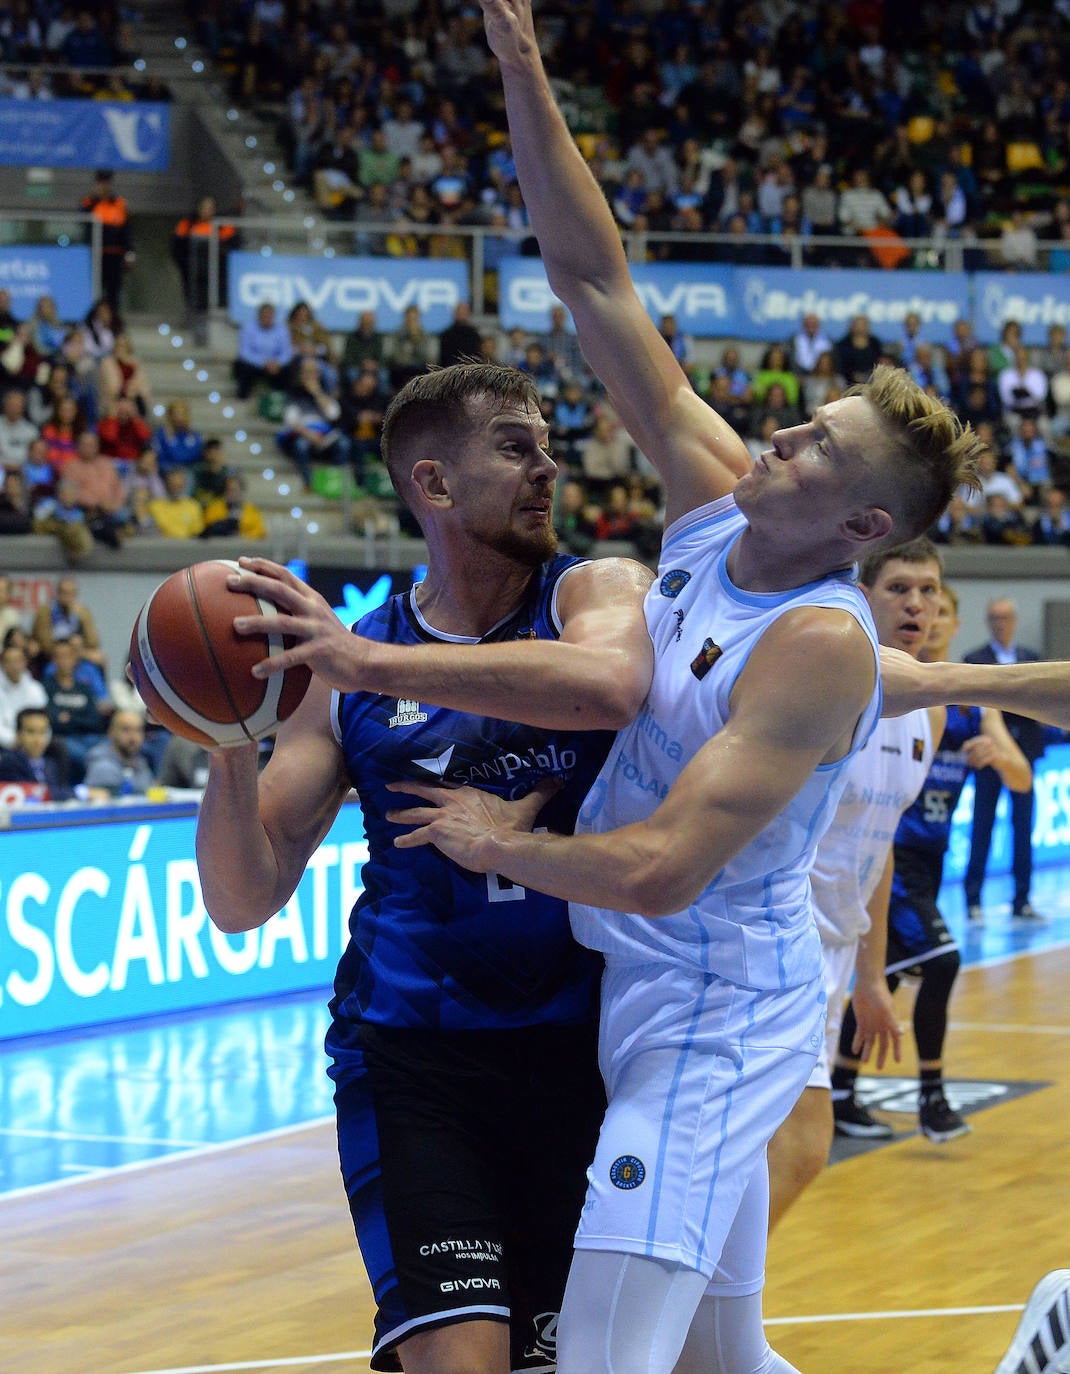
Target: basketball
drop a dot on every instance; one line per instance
(194, 673)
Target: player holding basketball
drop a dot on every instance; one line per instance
(707, 812)
(463, 1030)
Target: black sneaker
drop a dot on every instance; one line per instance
(939, 1120)
(852, 1119)
(1028, 915)
(1041, 1344)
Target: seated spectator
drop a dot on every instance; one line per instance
(808, 344)
(629, 514)
(1018, 247)
(959, 347)
(116, 765)
(775, 370)
(410, 350)
(61, 434)
(913, 204)
(959, 524)
(15, 515)
(98, 330)
(1052, 525)
(731, 408)
(858, 352)
(739, 380)
(310, 432)
(66, 615)
(678, 341)
(19, 360)
(863, 206)
(59, 514)
(98, 489)
(121, 375)
(73, 711)
(336, 174)
(1052, 357)
(576, 516)
(177, 514)
(309, 339)
(562, 347)
(184, 764)
(907, 343)
(145, 475)
(123, 434)
(460, 341)
(46, 330)
(1031, 458)
(928, 370)
(137, 517)
(824, 384)
(994, 480)
(951, 208)
(264, 352)
(777, 405)
(541, 368)
(209, 476)
(32, 759)
(362, 343)
(607, 456)
(572, 423)
(1001, 353)
(1002, 522)
(176, 442)
(19, 690)
(17, 433)
(1023, 388)
(231, 513)
(364, 404)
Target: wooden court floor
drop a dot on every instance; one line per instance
(910, 1258)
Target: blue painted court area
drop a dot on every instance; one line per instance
(127, 1096)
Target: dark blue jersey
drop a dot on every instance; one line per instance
(927, 824)
(432, 945)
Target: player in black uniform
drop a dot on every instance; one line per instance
(462, 1039)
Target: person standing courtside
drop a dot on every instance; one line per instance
(1003, 647)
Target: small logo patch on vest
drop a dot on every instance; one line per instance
(706, 658)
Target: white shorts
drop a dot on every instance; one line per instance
(699, 1073)
(839, 963)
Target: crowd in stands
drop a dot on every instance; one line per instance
(79, 457)
(50, 49)
(743, 119)
(67, 729)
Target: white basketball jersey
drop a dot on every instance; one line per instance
(884, 778)
(753, 924)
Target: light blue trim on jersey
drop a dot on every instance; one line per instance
(702, 517)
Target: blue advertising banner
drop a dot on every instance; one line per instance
(1035, 299)
(86, 133)
(65, 274)
(771, 301)
(339, 289)
(109, 924)
(699, 296)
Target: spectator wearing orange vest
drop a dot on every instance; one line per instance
(117, 247)
(191, 250)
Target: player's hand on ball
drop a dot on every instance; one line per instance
(319, 639)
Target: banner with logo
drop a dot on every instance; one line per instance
(65, 274)
(339, 289)
(1035, 299)
(132, 137)
(109, 923)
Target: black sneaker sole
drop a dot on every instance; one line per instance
(942, 1137)
(877, 1131)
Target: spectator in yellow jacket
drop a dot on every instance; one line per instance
(178, 515)
(232, 514)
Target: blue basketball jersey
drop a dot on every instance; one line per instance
(432, 945)
(927, 823)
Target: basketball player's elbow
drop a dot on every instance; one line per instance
(234, 919)
(659, 883)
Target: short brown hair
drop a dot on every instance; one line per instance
(931, 453)
(920, 550)
(434, 410)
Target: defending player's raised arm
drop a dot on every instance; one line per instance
(255, 833)
(1040, 690)
(778, 733)
(698, 455)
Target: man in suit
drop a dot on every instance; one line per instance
(1002, 647)
(34, 759)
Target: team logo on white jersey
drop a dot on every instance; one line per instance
(408, 713)
(673, 583)
(705, 658)
(627, 1172)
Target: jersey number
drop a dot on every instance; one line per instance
(936, 807)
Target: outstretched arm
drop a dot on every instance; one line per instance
(1039, 690)
(738, 782)
(594, 677)
(699, 456)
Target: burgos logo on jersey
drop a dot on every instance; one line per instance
(627, 1172)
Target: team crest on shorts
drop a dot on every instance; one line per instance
(627, 1172)
(673, 583)
(918, 750)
